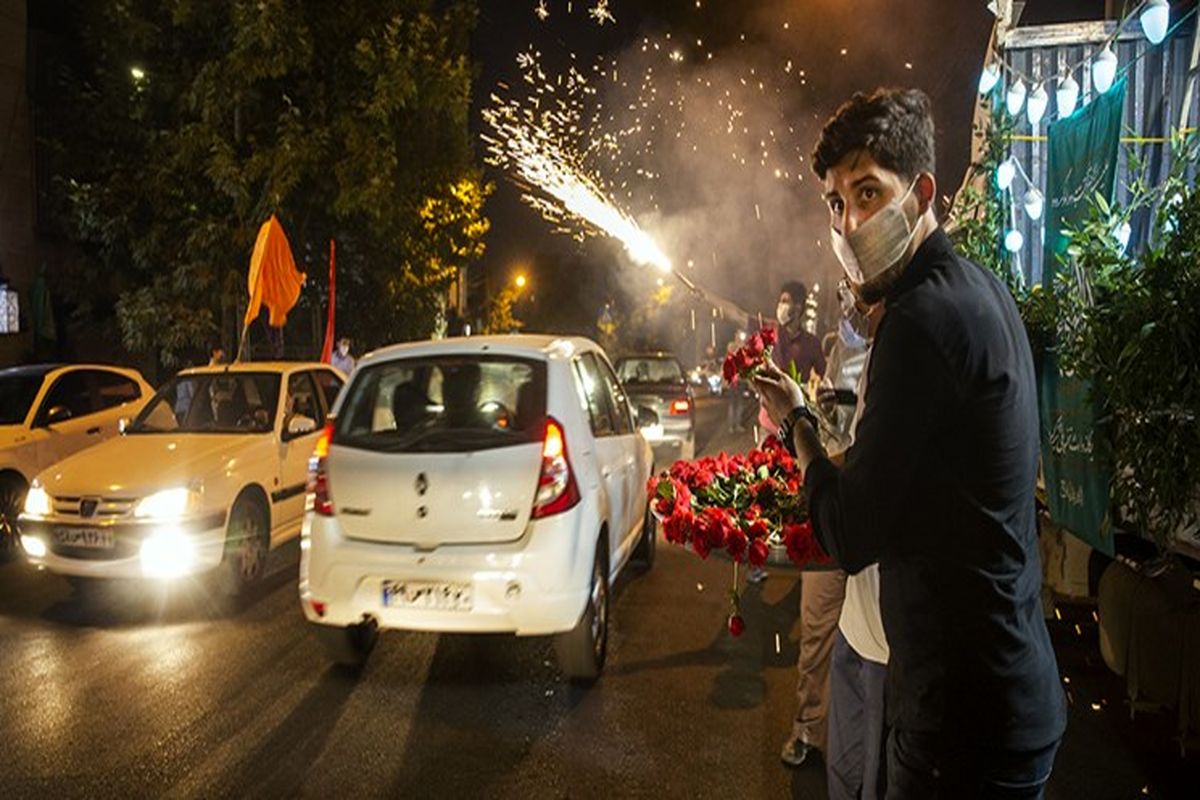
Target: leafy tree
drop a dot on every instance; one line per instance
(182, 125)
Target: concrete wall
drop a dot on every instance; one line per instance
(17, 244)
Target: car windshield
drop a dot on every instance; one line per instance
(17, 393)
(444, 404)
(229, 402)
(649, 370)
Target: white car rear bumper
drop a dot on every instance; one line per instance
(535, 586)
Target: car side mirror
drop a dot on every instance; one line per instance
(56, 415)
(123, 424)
(647, 417)
(298, 426)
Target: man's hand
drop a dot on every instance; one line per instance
(779, 393)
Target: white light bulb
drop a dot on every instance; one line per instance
(1036, 108)
(1104, 70)
(989, 78)
(1016, 97)
(1067, 96)
(1005, 173)
(1013, 241)
(1034, 204)
(1155, 17)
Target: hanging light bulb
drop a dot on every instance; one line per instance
(1122, 234)
(1036, 107)
(1104, 70)
(1005, 173)
(1155, 17)
(1013, 241)
(1034, 203)
(989, 77)
(1067, 96)
(1016, 97)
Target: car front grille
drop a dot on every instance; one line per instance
(98, 508)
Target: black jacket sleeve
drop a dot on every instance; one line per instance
(855, 509)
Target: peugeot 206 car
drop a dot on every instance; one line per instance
(656, 381)
(211, 474)
(479, 485)
(48, 412)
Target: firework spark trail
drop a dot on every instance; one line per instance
(531, 138)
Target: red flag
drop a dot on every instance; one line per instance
(327, 350)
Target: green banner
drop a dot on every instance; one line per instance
(1082, 162)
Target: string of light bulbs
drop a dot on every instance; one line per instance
(1154, 17)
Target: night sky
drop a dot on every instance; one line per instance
(745, 236)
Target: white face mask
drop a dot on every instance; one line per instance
(783, 313)
(878, 244)
(344, 349)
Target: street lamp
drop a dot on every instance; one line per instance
(137, 73)
(520, 281)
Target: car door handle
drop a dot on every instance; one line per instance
(93, 431)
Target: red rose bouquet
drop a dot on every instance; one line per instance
(745, 362)
(740, 504)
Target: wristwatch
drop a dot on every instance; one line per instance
(789, 425)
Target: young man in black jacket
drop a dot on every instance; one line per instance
(938, 486)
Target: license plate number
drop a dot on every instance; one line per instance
(427, 595)
(91, 538)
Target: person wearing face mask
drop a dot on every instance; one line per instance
(938, 484)
(342, 360)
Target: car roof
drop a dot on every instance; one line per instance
(28, 370)
(257, 366)
(518, 344)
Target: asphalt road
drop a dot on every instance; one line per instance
(130, 695)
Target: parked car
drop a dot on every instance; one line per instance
(656, 381)
(210, 474)
(481, 485)
(48, 412)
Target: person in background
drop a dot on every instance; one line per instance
(216, 356)
(938, 486)
(342, 360)
(737, 401)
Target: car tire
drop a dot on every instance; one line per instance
(643, 553)
(12, 497)
(247, 542)
(582, 650)
(350, 646)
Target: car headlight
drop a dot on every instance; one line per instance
(168, 504)
(167, 554)
(37, 501)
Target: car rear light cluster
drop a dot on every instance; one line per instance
(681, 406)
(556, 491)
(319, 499)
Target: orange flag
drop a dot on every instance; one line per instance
(274, 279)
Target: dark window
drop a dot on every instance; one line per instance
(622, 412)
(205, 402)
(17, 394)
(330, 385)
(450, 403)
(649, 370)
(595, 392)
(302, 400)
(114, 389)
(73, 391)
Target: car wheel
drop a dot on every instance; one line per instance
(12, 497)
(350, 646)
(246, 546)
(582, 650)
(646, 546)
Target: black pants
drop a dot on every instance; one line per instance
(930, 765)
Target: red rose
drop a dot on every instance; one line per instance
(700, 545)
(736, 625)
(755, 346)
(678, 527)
(745, 360)
(759, 529)
(730, 369)
(759, 550)
(770, 336)
(735, 543)
(704, 477)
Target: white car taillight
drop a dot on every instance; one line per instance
(557, 491)
(319, 499)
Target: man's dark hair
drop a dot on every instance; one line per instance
(797, 290)
(894, 125)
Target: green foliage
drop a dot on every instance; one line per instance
(980, 212)
(183, 125)
(1131, 327)
(500, 318)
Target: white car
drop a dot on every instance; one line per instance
(210, 474)
(478, 485)
(48, 412)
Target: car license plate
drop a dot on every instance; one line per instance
(427, 595)
(91, 538)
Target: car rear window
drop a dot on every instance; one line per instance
(649, 370)
(444, 404)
